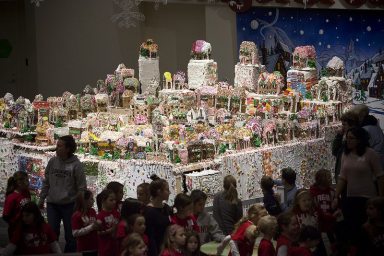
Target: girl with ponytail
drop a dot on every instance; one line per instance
(227, 207)
(17, 195)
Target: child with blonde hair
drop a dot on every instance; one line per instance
(243, 238)
(267, 225)
(133, 245)
(174, 241)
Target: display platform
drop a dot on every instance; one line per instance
(306, 157)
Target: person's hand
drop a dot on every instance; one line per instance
(96, 225)
(277, 197)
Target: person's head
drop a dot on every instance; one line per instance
(267, 225)
(369, 120)
(288, 224)
(288, 176)
(31, 215)
(142, 192)
(65, 147)
(349, 120)
(357, 141)
(323, 178)
(254, 213)
(133, 245)
(230, 186)
(159, 188)
(192, 242)
(303, 200)
(131, 206)
(266, 183)
(361, 111)
(84, 201)
(174, 237)
(117, 188)
(375, 209)
(199, 199)
(106, 200)
(136, 224)
(18, 181)
(309, 236)
(184, 205)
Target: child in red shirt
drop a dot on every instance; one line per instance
(135, 224)
(17, 195)
(309, 238)
(133, 245)
(243, 238)
(289, 231)
(118, 189)
(174, 241)
(33, 235)
(268, 226)
(84, 225)
(184, 216)
(107, 218)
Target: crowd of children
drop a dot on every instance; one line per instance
(302, 223)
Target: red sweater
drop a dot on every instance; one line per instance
(283, 241)
(266, 248)
(12, 208)
(299, 251)
(107, 244)
(244, 245)
(86, 242)
(323, 200)
(33, 240)
(168, 252)
(189, 223)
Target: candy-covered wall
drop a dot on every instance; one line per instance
(356, 36)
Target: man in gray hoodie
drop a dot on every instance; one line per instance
(209, 229)
(64, 180)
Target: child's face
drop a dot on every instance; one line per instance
(28, 218)
(372, 212)
(165, 193)
(179, 238)
(139, 225)
(198, 207)
(192, 244)
(142, 196)
(305, 202)
(138, 250)
(90, 202)
(186, 211)
(326, 179)
(23, 183)
(293, 227)
(119, 194)
(110, 202)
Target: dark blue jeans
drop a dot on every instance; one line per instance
(56, 213)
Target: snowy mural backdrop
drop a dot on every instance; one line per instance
(355, 36)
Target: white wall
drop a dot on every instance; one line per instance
(16, 76)
(76, 42)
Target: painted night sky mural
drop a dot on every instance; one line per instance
(355, 36)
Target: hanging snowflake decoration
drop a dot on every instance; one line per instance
(36, 2)
(129, 15)
(157, 3)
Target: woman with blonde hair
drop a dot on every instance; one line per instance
(227, 207)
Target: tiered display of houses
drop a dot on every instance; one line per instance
(187, 121)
